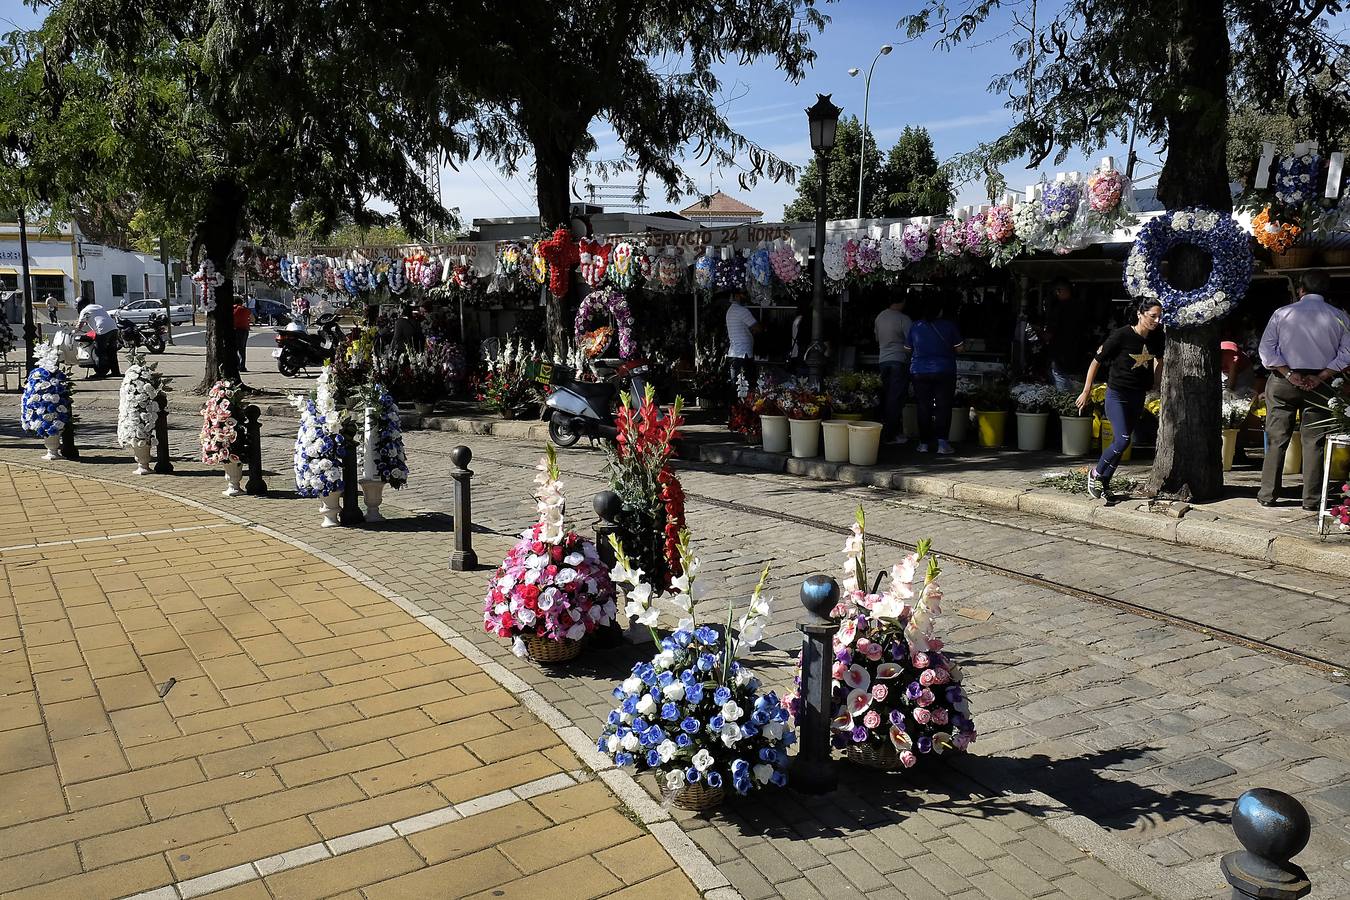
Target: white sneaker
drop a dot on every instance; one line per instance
(922, 448)
(945, 449)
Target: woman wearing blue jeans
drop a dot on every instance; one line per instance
(933, 344)
(1133, 357)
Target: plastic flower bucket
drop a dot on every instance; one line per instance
(960, 424)
(774, 433)
(1229, 447)
(836, 440)
(805, 434)
(1031, 430)
(1293, 458)
(991, 426)
(1075, 435)
(864, 440)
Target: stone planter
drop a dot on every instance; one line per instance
(233, 472)
(374, 493)
(53, 444)
(141, 452)
(332, 508)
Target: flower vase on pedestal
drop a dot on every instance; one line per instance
(332, 508)
(373, 492)
(141, 451)
(233, 472)
(53, 444)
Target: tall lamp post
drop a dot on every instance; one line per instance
(867, 95)
(824, 120)
(29, 326)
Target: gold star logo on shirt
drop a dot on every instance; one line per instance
(1142, 358)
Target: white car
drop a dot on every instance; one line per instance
(139, 311)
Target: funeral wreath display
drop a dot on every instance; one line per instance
(1215, 233)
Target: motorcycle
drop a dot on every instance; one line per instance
(149, 335)
(297, 350)
(578, 409)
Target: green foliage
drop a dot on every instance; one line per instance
(913, 182)
(841, 188)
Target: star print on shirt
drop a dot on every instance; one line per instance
(1141, 358)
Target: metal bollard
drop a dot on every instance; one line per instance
(68, 448)
(351, 508)
(162, 464)
(607, 505)
(1274, 828)
(813, 770)
(462, 558)
(253, 448)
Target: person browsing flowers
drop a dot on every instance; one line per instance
(933, 344)
(1305, 345)
(1132, 356)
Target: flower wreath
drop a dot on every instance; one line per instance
(612, 302)
(220, 423)
(1275, 235)
(950, 239)
(561, 254)
(1060, 202)
(1213, 232)
(593, 260)
(385, 458)
(730, 273)
(137, 410)
(975, 231)
(835, 262)
(46, 404)
(1296, 180)
(704, 267)
(670, 268)
(623, 268)
(395, 277)
(867, 258)
(892, 254)
(208, 279)
(509, 258)
(760, 268)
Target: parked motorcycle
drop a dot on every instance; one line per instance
(298, 350)
(578, 409)
(148, 335)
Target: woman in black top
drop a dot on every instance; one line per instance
(1133, 355)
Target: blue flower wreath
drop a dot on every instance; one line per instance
(1230, 273)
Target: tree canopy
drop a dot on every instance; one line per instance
(913, 182)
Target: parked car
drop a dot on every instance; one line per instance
(139, 311)
(271, 312)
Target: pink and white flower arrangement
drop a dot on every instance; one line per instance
(1105, 200)
(976, 234)
(867, 257)
(951, 239)
(220, 423)
(786, 267)
(894, 686)
(916, 240)
(552, 584)
(999, 224)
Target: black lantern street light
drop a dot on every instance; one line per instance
(824, 119)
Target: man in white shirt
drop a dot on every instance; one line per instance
(741, 330)
(892, 329)
(95, 318)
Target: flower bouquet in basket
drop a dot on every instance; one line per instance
(897, 696)
(552, 589)
(1034, 398)
(138, 410)
(222, 432)
(47, 404)
(694, 715)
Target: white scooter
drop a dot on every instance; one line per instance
(578, 409)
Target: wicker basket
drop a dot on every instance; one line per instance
(1294, 258)
(874, 756)
(697, 797)
(546, 651)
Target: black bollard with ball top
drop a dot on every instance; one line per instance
(253, 449)
(163, 466)
(351, 508)
(68, 448)
(462, 558)
(1274, 828)
(607, 506)
(813, 770)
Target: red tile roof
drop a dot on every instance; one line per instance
(718, 206)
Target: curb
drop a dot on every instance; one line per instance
(696, 865)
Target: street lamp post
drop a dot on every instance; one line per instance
(867, 95)
(29, 326)
(164, 261)
(824, 120)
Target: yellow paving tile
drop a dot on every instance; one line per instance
(487, 829)
(475, 872)
(362, 814)
(244, 846)
(112, 881)
(292, 802)
(350, 870)
(580, 879)
(157, 837)
(71, 827)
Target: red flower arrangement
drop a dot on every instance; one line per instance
(561, 253)
(652, 516)
(744, 420)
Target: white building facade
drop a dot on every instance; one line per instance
(62, 263)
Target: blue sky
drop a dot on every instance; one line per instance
(915, 85)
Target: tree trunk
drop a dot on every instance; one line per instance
(553, 180)
(217, 233)
(1189, 463)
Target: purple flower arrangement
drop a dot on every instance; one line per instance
(951, 239)
(867, 256)
(915, 241)
(613, 303)
(730, 273)
(1060, 201)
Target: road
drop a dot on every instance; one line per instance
(1126, 691)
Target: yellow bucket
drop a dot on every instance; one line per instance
(991, 426)
(1108, 436)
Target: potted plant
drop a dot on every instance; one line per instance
(552, 589)
(47, 404)
(1233, 414)
(425, 382)
(1034, 403)
(773, 423)
(852, 395)
(220, 434)
(804, 408)
(138, 410)
(960, 429)
(503, 387)
(897, 695)
(1075, 425)
(694, 715)
(990, 399)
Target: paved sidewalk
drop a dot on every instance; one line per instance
(189, 706)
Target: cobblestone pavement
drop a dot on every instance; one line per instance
(1112, 744)
(201, 709)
